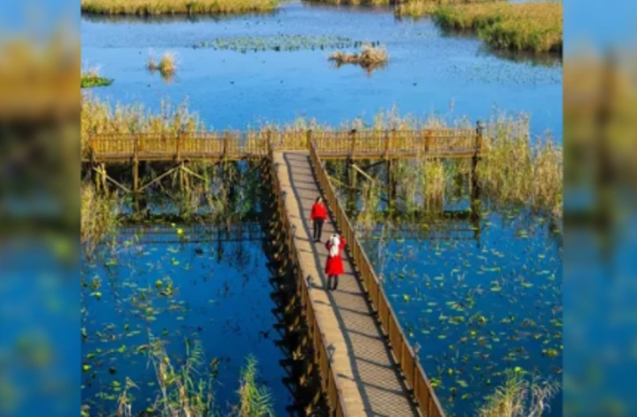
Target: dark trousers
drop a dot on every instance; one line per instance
(318, 228)
(330, 279)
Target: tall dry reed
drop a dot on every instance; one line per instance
(519, 397)
(517, 170)
(98, 217)
(535, 26)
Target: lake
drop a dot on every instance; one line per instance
(428, 72)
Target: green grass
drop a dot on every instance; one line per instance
(189, 7)
(187, 390)
(92, 79)
(535, 27)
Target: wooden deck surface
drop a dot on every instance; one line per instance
(368, 376)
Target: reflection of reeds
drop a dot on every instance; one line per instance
(157, 7)
(519, 397)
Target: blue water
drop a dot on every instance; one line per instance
(452, 76)
(479, 306)
(220, 298)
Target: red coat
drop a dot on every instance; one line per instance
(318, 212)
(334, 266)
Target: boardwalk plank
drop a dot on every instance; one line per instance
(368, 376)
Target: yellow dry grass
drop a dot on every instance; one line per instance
(533, 27)
(159, 7)
(370, 57)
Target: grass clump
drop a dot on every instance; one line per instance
(187, 390)
(92, 78)
(535, 27)
(99, 217)
(188, 7)
(517, 171)
(369, 58)
(167, 65)
(519, 397)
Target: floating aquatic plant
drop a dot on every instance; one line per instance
(280, 43)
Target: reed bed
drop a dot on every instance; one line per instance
(422, 8)
(98, 217)
(188, 7)
(515, 168)
(99, 116)
(519, 396)
(370, 57)
(518, 171)
(535, 27)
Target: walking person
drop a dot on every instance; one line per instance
(334, 263)
(318, 216)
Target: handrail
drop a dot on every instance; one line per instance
(329, 381)
(212, 144)
(403, 353)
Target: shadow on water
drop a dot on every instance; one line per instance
(547, 59)
(183, 286)
(476, 287)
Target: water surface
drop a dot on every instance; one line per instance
(428, 72)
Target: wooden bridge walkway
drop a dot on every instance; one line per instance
(366, 364)
(230, 145)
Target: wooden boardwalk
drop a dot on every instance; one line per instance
(368, 377)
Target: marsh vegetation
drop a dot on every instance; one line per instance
(533, 26)
(280, 43)
(369, 58)
(92, 78)
(188, 7)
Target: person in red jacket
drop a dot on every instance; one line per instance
(334, 263)
(318, 216)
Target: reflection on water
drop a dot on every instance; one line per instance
(548, 59)
(182, 291)
(477, 306)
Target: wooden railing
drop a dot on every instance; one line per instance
(403, 353)
(329, 144)
(329, 381)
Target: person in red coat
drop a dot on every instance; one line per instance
(318, 216)
(334, 263)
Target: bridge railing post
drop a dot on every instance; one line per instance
(478, 137)
(178, 150)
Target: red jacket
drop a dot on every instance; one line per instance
(318, 212)
(334, 266)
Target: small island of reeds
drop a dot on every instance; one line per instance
(173, 7)
(369, 58)
(166, 66)
(535, 27)
(92, 78)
